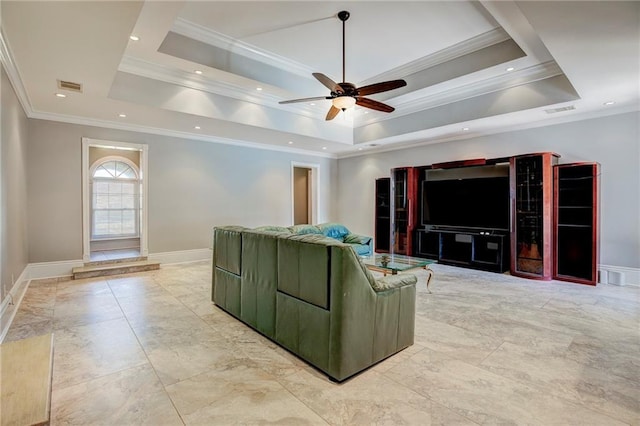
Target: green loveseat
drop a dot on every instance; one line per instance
(361, 244)
(312, 295)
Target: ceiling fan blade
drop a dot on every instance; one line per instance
(381, 87)
(370, 103)
(333, 111)
(316, 98)
(330, 84)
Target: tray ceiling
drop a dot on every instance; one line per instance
(472, 68)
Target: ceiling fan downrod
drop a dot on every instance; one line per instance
(343, 16)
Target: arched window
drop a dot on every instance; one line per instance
(115, 206)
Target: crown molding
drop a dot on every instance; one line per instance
(14, 76)
(214, 38)
(140, 67)
(71, 119)
(450, 53)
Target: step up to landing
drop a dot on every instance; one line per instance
(101, 269)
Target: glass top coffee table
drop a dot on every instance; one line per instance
(394, 263)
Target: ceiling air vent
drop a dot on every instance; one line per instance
(70, 85)
(561, 109)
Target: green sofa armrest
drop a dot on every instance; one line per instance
(391, 282)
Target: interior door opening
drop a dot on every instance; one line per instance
(304, 190)
(301, 198)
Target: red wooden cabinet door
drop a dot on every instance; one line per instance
(531, 179)
(404, 196)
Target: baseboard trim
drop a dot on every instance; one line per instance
(16, 294)
(620, 275)
(183, 256)
(53, 269)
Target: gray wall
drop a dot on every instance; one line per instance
(612, 141)
(13, 209)
(193, 186)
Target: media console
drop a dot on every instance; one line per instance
(498, 214)
(479, 249)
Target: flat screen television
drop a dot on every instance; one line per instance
(467, 203)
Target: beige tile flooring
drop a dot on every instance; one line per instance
(150, 348)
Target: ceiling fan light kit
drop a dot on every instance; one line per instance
(345, 95)
(344, 102)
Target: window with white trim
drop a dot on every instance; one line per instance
(115, 199)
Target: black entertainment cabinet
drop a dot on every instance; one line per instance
(464, 214)
(486, 250)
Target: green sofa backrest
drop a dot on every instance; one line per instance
(260, 280)
(228, 241)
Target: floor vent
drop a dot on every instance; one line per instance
(70, 85)
(561, 109)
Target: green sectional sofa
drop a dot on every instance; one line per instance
(312, 295)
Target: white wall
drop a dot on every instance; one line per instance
(612, 141)
(193, 186)
(13, 193)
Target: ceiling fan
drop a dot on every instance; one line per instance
(345, 95)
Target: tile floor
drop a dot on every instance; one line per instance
(150, 348)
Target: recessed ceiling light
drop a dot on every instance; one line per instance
(312, 104)
(122, 115)
(465, 129)
(198, 72)
(359, 149)
(197, 127)
(608, 103)
(510, 69)
(61, 95)
(134, 37)
(290, 142)
(259, 89)
(324, 147)
(366, 112)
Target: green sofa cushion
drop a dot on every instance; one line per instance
(357, 239)
(303, 262)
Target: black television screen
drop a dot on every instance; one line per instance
(474, 203)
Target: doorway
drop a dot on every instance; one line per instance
(114, 188)
(304, 189)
